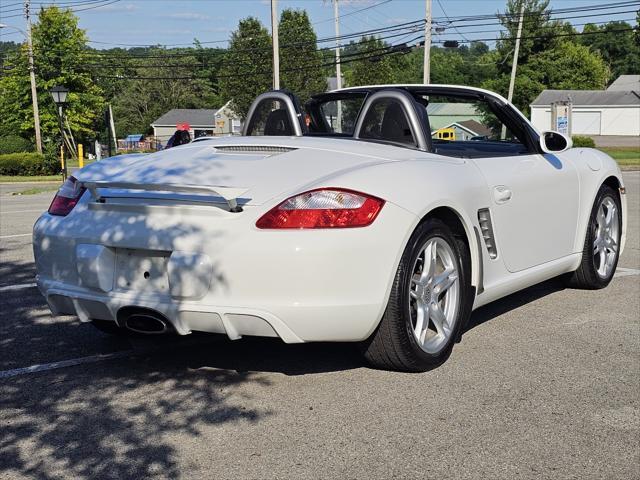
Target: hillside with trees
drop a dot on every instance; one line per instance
(141, 83)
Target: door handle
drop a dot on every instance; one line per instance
(502, 194)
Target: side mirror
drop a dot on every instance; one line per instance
(554, 142)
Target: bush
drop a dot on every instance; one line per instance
(14, 144)
(51, 153)
(24, 164)
(582, 141)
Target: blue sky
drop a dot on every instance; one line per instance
(141, 22)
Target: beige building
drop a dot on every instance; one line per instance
(200, 122)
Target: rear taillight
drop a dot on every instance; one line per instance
(66, 198)
(323, 208)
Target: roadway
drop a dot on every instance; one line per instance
(545, 384)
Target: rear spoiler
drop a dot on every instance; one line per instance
(230, 194)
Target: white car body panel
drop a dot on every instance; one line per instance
(537, 186)
(213, 270)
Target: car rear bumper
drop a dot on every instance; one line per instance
(232, 278)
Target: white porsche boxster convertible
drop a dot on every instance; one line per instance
(381, 215)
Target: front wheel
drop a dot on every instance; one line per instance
(428, 305)
(602, 243)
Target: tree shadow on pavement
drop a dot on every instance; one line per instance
(131, 417)
(114, 420)
(14, 272)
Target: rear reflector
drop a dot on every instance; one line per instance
(323, 208)
(66, 198)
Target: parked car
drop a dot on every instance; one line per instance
(341, 222)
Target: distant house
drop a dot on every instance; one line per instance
(442, 115)
(614, 111)
(466, 130)
(625, 83)
(200, 122)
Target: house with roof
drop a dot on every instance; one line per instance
(198, 121)
(441, 115)
(611, 112)
(464, 130)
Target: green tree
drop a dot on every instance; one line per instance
(568, 66)
(175, 83)
(448, 67)
(248, 69)
(300, 61)
(617, 48)
(371, 64)
(538, 31)
(546, 59)
(59, 47)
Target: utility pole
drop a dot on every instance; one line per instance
(275, 43)
(112, 128)
(336, 23)
(514, 66)
(32, 75)
(426, 75)
(515, 53)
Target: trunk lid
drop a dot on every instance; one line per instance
(262, 172)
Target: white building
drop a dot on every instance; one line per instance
(200, 122)
(615, 111)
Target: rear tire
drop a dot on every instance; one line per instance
(601, 249)
(429, 304)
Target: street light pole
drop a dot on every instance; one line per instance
(32, 76)
(59, 95)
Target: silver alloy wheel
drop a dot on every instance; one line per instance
(433, 295)
(605, 244)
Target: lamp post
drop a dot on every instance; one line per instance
(34, 91)
(59, 95)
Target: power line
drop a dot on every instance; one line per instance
(538, 37)
(445, 14)
(352, 13)
(391, 50)
(415, 24)
(94, 4)
(379, 53)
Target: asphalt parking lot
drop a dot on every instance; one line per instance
(545, 384)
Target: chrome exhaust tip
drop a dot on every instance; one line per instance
(146, 323)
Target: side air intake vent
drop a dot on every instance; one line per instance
(484, 218)
(253, 149)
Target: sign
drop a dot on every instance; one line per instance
(220, 123)
(562, 117)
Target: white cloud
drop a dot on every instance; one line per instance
(187, 16)
(117, 8)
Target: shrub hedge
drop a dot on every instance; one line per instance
(28, 164)
(14, 144)
(582, 141)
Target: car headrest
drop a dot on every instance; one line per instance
(278, 123)
(395, 126)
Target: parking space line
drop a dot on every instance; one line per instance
(19, 286)
(101, 357)
(43, 367)
(22, 211)
(18, 235)
(626, 272)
